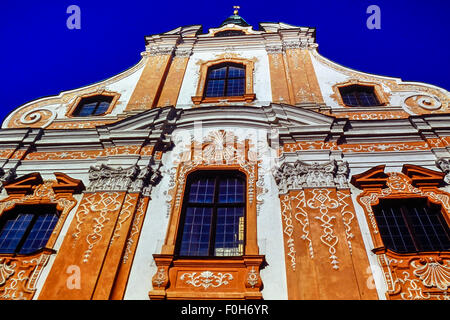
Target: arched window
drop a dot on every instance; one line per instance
(412, 225)
(27, 228)
(359, 96)
(93, 106)
(213, 215)
(225, 80)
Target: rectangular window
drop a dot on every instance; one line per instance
(213, 220)
(359, 96)
(225, 80)
(93, 106)
(412, 225)
(26, 229)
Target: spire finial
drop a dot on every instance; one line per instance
(236, 10)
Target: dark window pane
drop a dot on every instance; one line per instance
(429, 231)
(350, 99)
(12, 232)
(215, 88)
(356, 95)
(202, 191)
(231, 190)
(196, 235)
(234, 72)
(40, 233)
(219, 73)
(412, 225)
(87, 109)
(214, 213)
(27, 229)
(230, 233)
(367, 99)
(102, 108)
(236, 87)
(226, 80)
(93, 106)
(393, 229)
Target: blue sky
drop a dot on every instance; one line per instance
(41, 57)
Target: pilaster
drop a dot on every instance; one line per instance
(97, 236)
(159, 55)
(325, 255)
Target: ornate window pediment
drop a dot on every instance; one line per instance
(31, 219)
(414, 223)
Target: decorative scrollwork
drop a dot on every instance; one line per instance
(44, 116)
(288, 228)
(19, 275)
(433, 273)
(6, 271)
(207, 279)
(107, 203)
(160, 278)
(252, 278)
(322, 201)
(426, 102)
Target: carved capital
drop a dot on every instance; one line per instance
(183, 53)
(106, 178)
(145, 180)
(159, 50)
(299, 175)
(444, 165)
(7, 176)
(133, 179)
(294, 44)
(274, 49)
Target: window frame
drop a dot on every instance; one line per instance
(73, 107)
(14, 212)
(356, 90)
(381, 96)
(248, 95)
(98, 100)
(401, 205)
(412, 182)
(217, 174)
(226, 79)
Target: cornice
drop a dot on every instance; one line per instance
(293, 123)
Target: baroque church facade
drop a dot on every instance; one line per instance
(229, 164)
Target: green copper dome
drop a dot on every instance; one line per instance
(235, 19)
